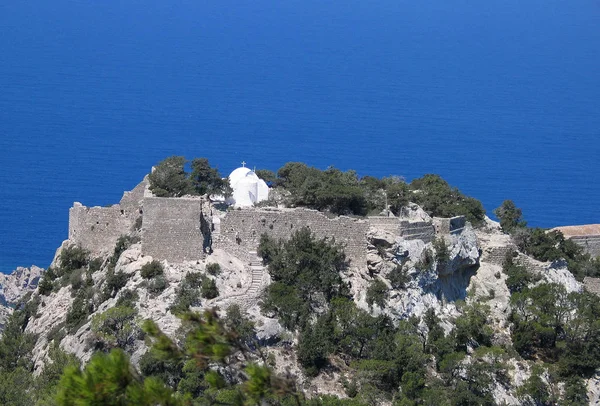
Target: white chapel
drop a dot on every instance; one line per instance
(248, 188)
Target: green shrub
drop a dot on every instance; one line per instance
(510, 216)
(157, 284)
(73, 257)
(169, 179)
(116, 327)
(46, 286)
(238, 322)
(377, 293)
(123, 243)
(438, 198)
(209, 288)
(442, 253)
(426, 260)
(213, 269)
(399, 277)
(75, 279)
(95, 265)
(188, 293)
(152, 270)
(77, 314)
(127, 298)
(114, 282)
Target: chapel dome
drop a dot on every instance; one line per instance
(237, 175)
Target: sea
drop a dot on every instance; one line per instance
(499, 97)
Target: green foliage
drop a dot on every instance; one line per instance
(314, 345)
(169, 179)
(109, 379)
(116, 327)
(188, 293)
(440, 199)
(45, 285)
(535, 390)
(127, 298)
(207, 352)
(332, 189)
(123, 243)
(306, 272)
(377, 293)
(73, 257)
(559, 327)
(157, 284)
(442, 253)
(113, 283)
(78, 313)
(213, 269)
(46, 384)
(575, 392)
(510, 217)
(426, 261)
(236, 321)
(207, 180)
(209, 288)
(16, 345)
(519, 278)
(152, 270)
(397, 192)
(399, 277)
(268, 176)
(471, 329)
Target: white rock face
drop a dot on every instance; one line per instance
(14, 286)
(17, 284)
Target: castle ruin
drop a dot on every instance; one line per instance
(184, 229)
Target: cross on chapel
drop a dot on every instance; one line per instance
(243, 164)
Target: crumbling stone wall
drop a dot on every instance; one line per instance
(171, 229)
(417, 230)
(592, 285)
(452, 225)
(589, 243)
(97, 228)
(240, 230)
(389, 224)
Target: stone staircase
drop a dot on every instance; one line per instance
(257, 269)
(249, 297)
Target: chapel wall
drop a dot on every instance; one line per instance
(171, 229)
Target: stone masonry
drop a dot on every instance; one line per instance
(240, 230)
(586, 236)
(171, 229)
(98, 228)
(177, 229)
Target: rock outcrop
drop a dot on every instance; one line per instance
(14, 286)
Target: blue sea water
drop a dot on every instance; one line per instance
(500, 97)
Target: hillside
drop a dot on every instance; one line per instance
(403, 309)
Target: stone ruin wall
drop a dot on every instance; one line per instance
(589, 243)
(417, 230)
(389, 224)
(171, 229)
(449, 226)
(97, 229)
(240, 230)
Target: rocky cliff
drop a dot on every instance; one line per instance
(440, 272)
